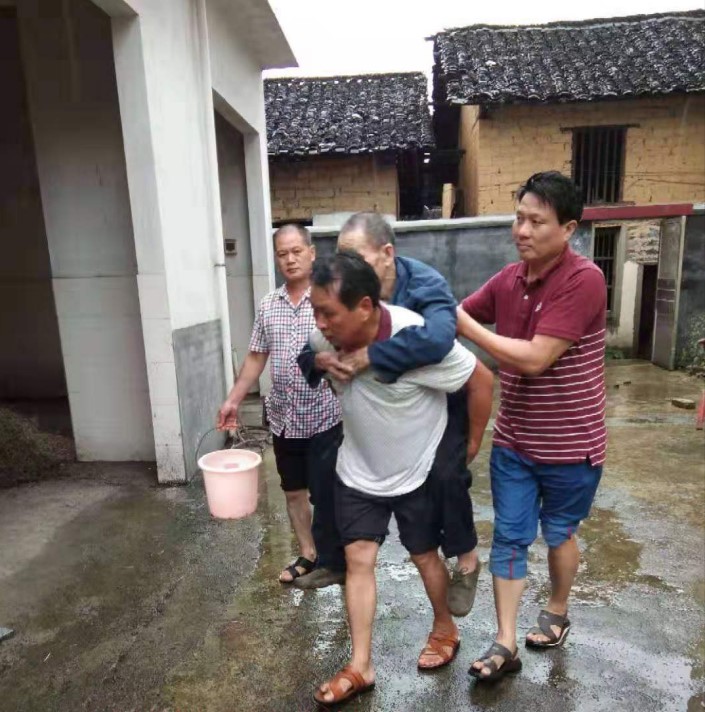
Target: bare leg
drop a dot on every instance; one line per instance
(563, 563)
(361, 603)
(435, 579)
(507, 596)
(299, 510)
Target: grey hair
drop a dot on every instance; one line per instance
(293, 227)
(373, 226)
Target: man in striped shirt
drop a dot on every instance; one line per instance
(549, 310)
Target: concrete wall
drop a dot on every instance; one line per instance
(164, 83)
(176, 63)
(466, 251)
(664, 155)
(31, 365)
(122, 96)
(68, 60)
(691, 313)
(302, 189)
(238, 91)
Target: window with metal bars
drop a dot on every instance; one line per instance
(598, 162)
(604, 256)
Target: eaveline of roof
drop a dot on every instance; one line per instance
(347, 115)
(643, 55)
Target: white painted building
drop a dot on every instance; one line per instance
(132, 142)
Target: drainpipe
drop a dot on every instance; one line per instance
(214, 194)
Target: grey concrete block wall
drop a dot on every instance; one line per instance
(691, 312)
(466, 252)
(200, 379)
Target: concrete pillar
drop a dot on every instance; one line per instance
(167, 113)
(68, 61)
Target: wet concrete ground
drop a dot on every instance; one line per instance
(128, 597)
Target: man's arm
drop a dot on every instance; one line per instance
(479, 391)
(252, 369)
(531, 358)
(415, 346)
(563, 322)
(315, 365)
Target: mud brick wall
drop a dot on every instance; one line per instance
(664, 153)
(302, 189)
(643, 238)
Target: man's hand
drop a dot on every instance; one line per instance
(356, 360)
(473, 449)
(329, 362)
(227, 416)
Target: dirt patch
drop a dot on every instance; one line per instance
(28, 454)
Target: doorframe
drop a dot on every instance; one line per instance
(677, 299)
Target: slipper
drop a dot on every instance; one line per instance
(302, 563)
(545, 620)
(437, 644)
(511, 664)
(359, 686)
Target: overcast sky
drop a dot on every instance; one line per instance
(361, 36)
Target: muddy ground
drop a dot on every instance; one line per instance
(128, 597)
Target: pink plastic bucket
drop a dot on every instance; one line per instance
(230, 477)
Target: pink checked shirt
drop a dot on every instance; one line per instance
(282, 330)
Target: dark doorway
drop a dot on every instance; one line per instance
(648, 311)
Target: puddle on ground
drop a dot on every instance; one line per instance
(263, 622)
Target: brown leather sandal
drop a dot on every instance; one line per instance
(437, 644)
(359, 686)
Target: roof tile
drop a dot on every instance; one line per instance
(347, 114)
(571, 61)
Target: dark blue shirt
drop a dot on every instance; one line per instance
(423, 290)
(420, 288)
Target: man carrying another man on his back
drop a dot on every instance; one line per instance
(392, 431)
(411, 284)
(305, 423)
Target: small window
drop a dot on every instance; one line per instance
(605, 252)
(598, 162)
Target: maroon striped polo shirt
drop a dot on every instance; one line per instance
(559, 416)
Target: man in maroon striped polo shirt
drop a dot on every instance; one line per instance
(549, 310)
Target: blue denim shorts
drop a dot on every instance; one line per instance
(525, 493)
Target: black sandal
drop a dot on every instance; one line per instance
(510, 666)
(302, 563)
(545, 620)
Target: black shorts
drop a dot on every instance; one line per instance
(362, 516)
(296, 458)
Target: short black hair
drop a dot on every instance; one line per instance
(293, 227)
(373, 226)
(558, 191)
(352, 276)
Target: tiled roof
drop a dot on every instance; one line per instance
(347, 115)
(571, 61)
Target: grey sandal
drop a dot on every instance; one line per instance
(511, 664)
(545, 620)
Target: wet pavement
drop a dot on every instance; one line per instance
(125, 596)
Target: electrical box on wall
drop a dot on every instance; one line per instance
(230, 247)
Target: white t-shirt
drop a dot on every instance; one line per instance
(392, 430)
